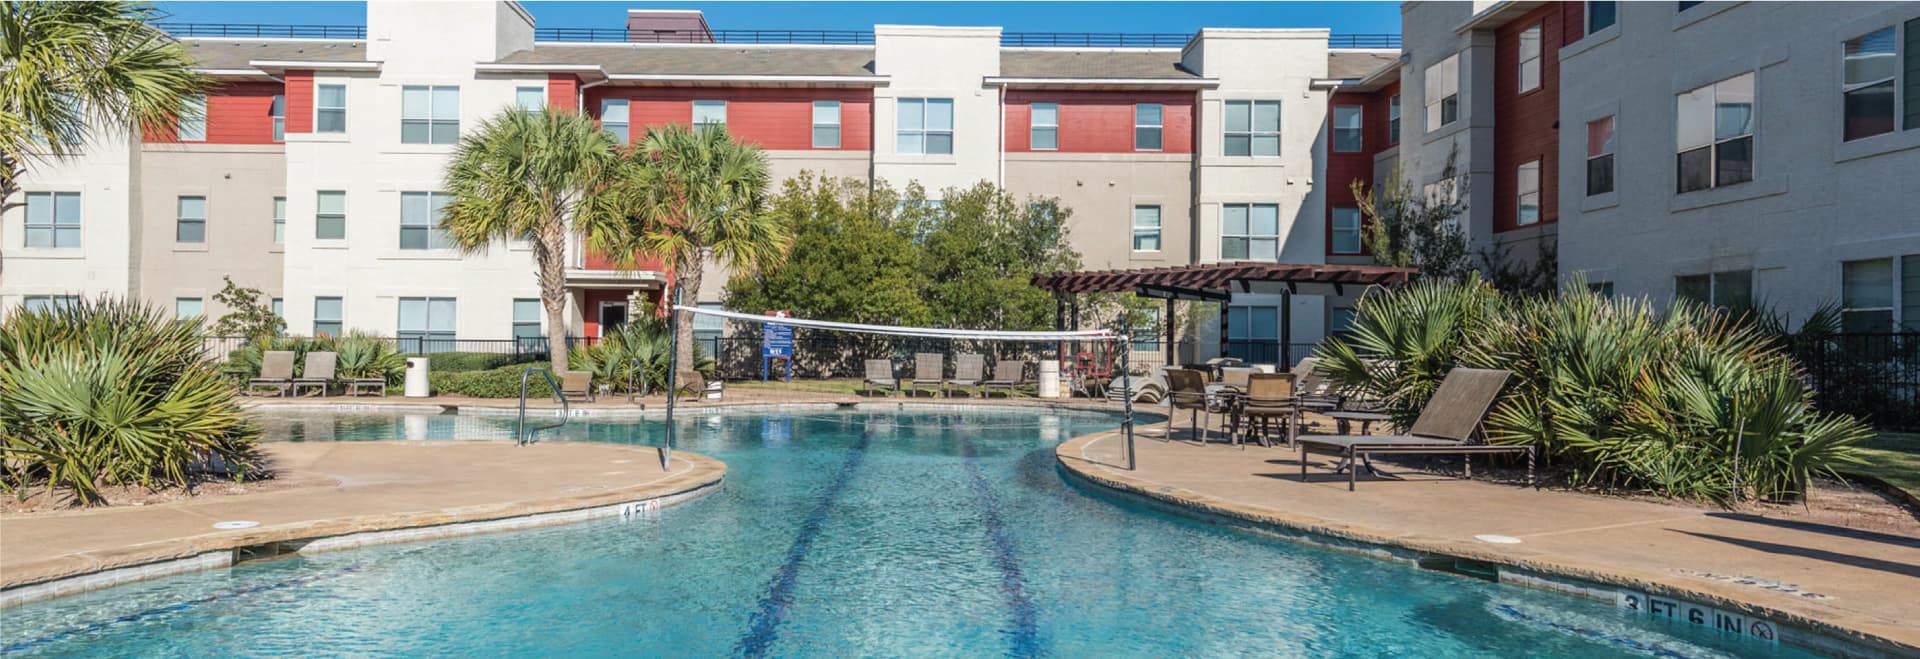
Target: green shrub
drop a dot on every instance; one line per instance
(479, 361)
(645, 342)
(1688, 402)
(503, 382)
(247, 358)
(365, 356)
(110, 392)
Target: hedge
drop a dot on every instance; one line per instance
(502, 382)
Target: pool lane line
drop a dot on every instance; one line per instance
(1013, 584)
(175, 608)
(764, 627)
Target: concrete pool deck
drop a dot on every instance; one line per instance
(1838, 582)
(339, 495)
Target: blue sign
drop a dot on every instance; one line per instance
(777, 341)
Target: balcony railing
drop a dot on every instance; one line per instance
(258, 31)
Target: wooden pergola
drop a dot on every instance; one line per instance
(1216, 282)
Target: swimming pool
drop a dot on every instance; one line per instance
(922, 531)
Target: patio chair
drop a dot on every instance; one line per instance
(969, 369)
(698, 387)
(1008, 373)
(1448, 425)
(880, 377)
(318, 372)
(276, 371)
(1187, 390)
(1235, 377)
(1270, 396)
(576, 385)
(929, 370)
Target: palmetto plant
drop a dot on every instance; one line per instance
(74, 71)
(104, 393)
(643, 342)
(1402, 343)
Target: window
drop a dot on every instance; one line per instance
(1250, 232)
(48, 302)
(1044, 128)
(1443, 92)
(330, 215)
(826, 124)
(1866, 295)
(1732, 289)
(1530, 59)
(708, 329)
(1149, 122)
(1146, 332)
(1526, 187)
(1253, 128)
(187, 307)
(330, 109)
(1871, 67)
(420, 214)
(1715, 128)
(1601, 288)
(279, 220)
(1346, 129)
(429, 115)
(1393, 120)
(613, 118)
(1600, 156)
(190, 223)
(278, 110)
(193, 120)
(327, 316)
(1602, 15)
(1684, 5)
(53, 219)
(1341, 321)
(1346, 231)
(710, 113)
(1146, 228)
(1253, 334)
(926, 126)
(279, 308)
(426, 324)
(530, 99)
(526, 318)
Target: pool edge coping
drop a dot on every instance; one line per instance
(212, 551)
(1802, 631)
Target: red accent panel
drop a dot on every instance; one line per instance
(599, 261)
(1100, 122)
(776, 119)
(237, 113)
(299, 102)
(1345, 168)
(1526, 126)
(563, 91)
(1573, 21)
(590, 314)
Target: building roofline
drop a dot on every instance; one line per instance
(875, 80)
(1006, 81)
(1497, 14)
(271, 39)
(735, 46)
(316, 65)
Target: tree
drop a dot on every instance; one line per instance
(980, 248)
(540, 177)
(246, 316)
(696, 193)
(70, 68)
(1413, 228)
(851, 261)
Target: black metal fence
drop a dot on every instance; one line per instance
(1872, 376)
(260, 31)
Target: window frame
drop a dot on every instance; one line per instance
(1714, 149)
(436, 237)
(339, 319)
(1605, 158)
(1156, 231)
(320, 214)
(1158, 128)
(693, 116)
(539, 93)
(1892, 308)
(1393, 120)
(1586, 16)
(1534, 33)
(1253, 133)
(181, 221)
(1435, 80)
(429, 334)
(1893, 80)
(517, 324)
(431, 121)
(1035, 128)
(51, 301)
(1714, 286)
(622, 134)
(838, 122)
(277, 110)
(280, 220)
(923, 131)
(1357, 132)
(53, 228)
(1335, 231)
(1248, 233)
(200, 303)
(1521, 173)
(320, 110)
(193, 113)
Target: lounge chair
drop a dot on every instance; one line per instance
(929, 370)
(318, 372)
(1008, 373)
(880, 377)
(576, 385)
(1270, 396)
(358, 386)
(969, 369)
(1447, 426)
(276, 371)
(698, 387)
(1187, 390)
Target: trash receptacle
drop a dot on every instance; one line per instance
(417, 386)
(1049, 378)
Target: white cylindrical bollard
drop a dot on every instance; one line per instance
(1049, 379)
(417, 386)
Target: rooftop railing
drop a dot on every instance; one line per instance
(826, 37)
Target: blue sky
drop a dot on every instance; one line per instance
(1342, 17)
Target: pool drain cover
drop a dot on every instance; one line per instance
(240, 524)
(1498, 539)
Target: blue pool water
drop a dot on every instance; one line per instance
(923, 532)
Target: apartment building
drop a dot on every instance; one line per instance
(314, 173)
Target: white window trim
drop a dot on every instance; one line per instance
(279, 220)
(1394, 114)
(1614, 164)
(317, 107)
(1713, 147)
(693, 110)
(1586, 18)
(540, 88)
(1361, 112)
(279, 120)
(626, 127)
(1435, 102)
(1335, 230)
(317, 214)
(1520, 194)
(1249, 235)
(341, 321)
(1162, 127)
(1539, 68)
(187, 117)
(53, 218)
(1899, 27)
(180, 218)
(838, 125)
(1159, 229)
(1253, 131)
(1034, 125)
(431, 122)
(432, 227)
(924, 130)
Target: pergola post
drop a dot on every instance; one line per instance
(1286, 330)
(1168, 320)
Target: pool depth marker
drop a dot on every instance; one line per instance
(764, 627)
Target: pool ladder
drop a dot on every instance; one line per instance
(522, 435)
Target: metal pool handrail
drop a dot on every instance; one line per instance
(521, 435)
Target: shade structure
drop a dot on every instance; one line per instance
(1219, 281)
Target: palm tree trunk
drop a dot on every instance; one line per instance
(549, 255)
(687, 277)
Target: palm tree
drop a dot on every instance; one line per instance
(70, 68)
(537, 176)
(700, 193)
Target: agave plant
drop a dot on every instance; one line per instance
(367, 356)
(110, 392)
(643, 343)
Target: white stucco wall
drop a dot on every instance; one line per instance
(938, 62)
(103, 263)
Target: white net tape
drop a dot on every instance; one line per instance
(895, 330)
